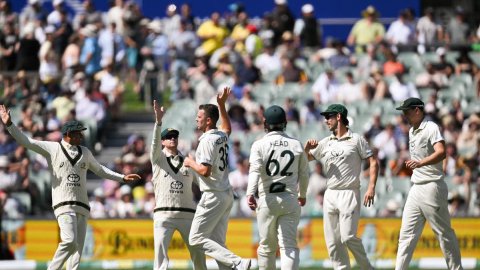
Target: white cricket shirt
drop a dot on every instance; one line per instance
(341, 159)
(278, 158)
(213, 150)
(172, 182)
(421, 143)
(69, 165)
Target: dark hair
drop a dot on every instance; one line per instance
(211, 111)
(276, 127)
(344, 119)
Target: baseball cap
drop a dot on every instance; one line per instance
(275, 115)
(410, 103)
(334, 109)
(169, 131)
(71, 126)
(307, 8)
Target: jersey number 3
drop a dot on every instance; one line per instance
(276, 163)
(223, 151)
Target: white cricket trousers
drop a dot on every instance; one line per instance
(73, 227)
(278, 215)
(209, 227)
(427, 202)
(163, 229)
(341, 213)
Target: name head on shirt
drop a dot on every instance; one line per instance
(279, 143)
(221, 140)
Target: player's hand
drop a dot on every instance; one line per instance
(188, 161)
(5, 115)
(222, 97)
(131, 177)
(252, 203)
(413, 164)
(369, 197)
(159, 111)
(302, 201)
(311, 144)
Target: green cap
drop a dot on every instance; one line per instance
(411, 103)
(71, 126)
(169, 131)
(334, 109)
(275, 115)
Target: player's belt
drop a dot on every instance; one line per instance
(71, 203)
(181, 209)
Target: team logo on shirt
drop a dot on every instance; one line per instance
(61, 164)
(335, 154)
(176, 187)
(73, 180)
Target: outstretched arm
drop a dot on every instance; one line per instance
(156, 149)
(43, 148)
(221, 100)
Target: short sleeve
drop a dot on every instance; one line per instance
(364, 148)
(435, 135)
(204, 153)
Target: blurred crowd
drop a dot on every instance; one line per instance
(56, 66)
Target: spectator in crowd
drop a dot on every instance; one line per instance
(212, 35)
(240, 32)
(309, 113)
(8, 41)
(239, 181)
(391, 209)
(63, 31)
(457, 206)
(88, 15)
(27, 51)
(125, 207)
(307, 29)
(54, 17)
(428, 31)
(392, 66)
(401, 90)
(367, 30)
(325, 88)
(458, 30)
(98, 206)
(290, 73)
(187, 16)
(268, 62)
(282, 20)
(401, 33)
(376, 86)
(90, 55)
(351, 91)
(30, 13)
(253, 42)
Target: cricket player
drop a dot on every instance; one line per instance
(279, 173)
(172, 182)
(341, 156)
(427, 199)
(209, 226)
(69, 163)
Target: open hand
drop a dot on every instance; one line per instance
(222, 97)
(159, 111)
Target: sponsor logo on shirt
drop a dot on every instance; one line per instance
(73, 180)
(176, 187)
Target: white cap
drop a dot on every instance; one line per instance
(29, 28)
(307, 8)
(98, 192)
(125, 189)
(49, 29)
(3, 161)
(89, 30)
(281, 2)
(441, 51)
(57, 2)
(155, 26)
(392, 205)
(33, 2)
(171, 8)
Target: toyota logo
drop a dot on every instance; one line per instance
(74, 178)
(176, 185)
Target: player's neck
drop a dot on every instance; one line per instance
(171, 150)
(340, 131)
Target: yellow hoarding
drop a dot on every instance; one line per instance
(133, 239)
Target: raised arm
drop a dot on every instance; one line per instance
(221, 100)
(43, 148)
(156, 148)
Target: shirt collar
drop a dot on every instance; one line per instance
(421, 126)
(346, 136)
(68, 146)
(210, 131)
(271, 133)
